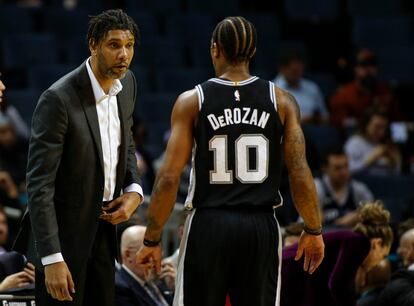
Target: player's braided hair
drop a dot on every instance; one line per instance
(237, 38)
(110, 20)
(374, 222)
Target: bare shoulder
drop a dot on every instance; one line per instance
(287, 105)
(186, 104)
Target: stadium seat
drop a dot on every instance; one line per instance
(155, 107)
(76, 50)
(326, 82)
(43, 77)
(179, 80)
(25, 101)
(215, 7)
(146, 21)
(322, 137)
(29, 50)
(379, 31)
(64, 24)
(143, 78)
(317, 10)
(396, 63)
(189, 27)
(157, 6)
(15, 20)
(266, 24)
(374, 7)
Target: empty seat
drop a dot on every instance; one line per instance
(370, 31)
(158, 6)
(76, 50)
(180, 80)
(191, 26)
(43, 77)
(216, 7)
(155, 107)
(396, 63)
(15, 20)
(266, 24)
(374, 7)
(317, 10)
(64, 24)
(25, 101)
(143, 77)
(321, 137)
(326, 82)
(29, 50)
(147, 22)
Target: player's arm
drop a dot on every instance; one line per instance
(164, 193)
(301, 182)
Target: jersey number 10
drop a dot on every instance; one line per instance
(243, 145)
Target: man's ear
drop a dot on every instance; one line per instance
(92, 46)
(215, 50)
(376, 243)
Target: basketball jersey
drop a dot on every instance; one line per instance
(237, 154)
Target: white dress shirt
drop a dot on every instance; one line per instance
(110, 131)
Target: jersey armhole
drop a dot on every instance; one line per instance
(272, 94)
(200, 96)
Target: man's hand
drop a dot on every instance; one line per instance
(59, 283)
(314, 249)
(168, 274)
(149, 258)
(17, 280)
(121, 209)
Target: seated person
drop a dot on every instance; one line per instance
(339, 194)
(346, 252)
(400, 290)
(133, 287)
(307, 93)
(371, 150)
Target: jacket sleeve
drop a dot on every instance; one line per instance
(49, 126)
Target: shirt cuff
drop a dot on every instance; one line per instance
(51, 259)
(134, 187)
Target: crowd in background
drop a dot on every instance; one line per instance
(360, 146)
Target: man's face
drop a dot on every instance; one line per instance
(7, 135)
(406, 250)
(2, 88)
(4, 229)
(114, 53)
(337, 169)
(364, 71)
(293, 72)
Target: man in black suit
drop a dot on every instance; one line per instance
(82, 177)
(133, 287)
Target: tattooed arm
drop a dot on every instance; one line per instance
(166, 184)
(301, 181)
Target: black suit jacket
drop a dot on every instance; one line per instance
(130, 293)
(65, 174)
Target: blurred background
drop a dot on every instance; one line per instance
(349, 63)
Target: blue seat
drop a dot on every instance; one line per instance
(25, 101)
(380, 31)
(146, 21)
(216, 7)
(396, 63)
(180, 80)
(322, 137)
(15, 20)
(326, 82)
(316, 10)
(155, 107)
(157, 6)
(22, 51)
(191, 26)
(397, 192)
(64, 24)
(43, 77)
(143, 77)
(374, 7)
(76, 50)
(266, 24)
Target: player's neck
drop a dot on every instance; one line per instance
(234, 73)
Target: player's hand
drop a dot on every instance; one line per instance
(313, 248)
(58, 280)
(121, 209)
(149, 258)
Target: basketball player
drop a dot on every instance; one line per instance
(238, 127)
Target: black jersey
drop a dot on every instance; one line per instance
(237, 154)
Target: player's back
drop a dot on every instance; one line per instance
(237, 156)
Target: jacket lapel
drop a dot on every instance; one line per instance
(89, 107)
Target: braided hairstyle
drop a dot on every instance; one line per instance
(237, 38)
(110, 20)
(374, 222)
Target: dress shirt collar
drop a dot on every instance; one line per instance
(284, 83)
(98, 92)
(134, 276)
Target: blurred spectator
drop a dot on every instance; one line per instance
(307, 93)
(4, 231)
(13, 151)
(400, 290)
(339, 194)
(133, 287)
(292, 233)
(374, 283)
(371, 150)
(346, 252)
(406, 249)
(144, 159)
(13, 115)
(351, 101)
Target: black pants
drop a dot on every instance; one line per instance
(95, 283)
(232, 251)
